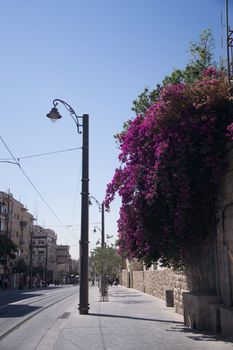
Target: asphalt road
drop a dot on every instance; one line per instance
(20, 307)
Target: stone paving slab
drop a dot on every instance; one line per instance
(129, 320)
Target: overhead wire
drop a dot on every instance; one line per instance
(69, 228)
(27, 177)
(42, 154)
(73, 225)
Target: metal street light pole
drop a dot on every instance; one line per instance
(101, 209)
(84, 240)
(30, 269)
(102, 226)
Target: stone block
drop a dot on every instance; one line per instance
(226, 321)
(169, 297)
(214, 312)
(196, 310)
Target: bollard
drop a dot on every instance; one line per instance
(169, 296)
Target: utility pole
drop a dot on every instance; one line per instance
(30, 269)
(46, 264)
(84, 240)
(102, 226)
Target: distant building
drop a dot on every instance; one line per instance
(74, 271)
(38, 256)
(16, 223)
(63, 263)
(44, 251)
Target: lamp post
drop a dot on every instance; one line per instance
(31, 262)
(101, 209)
(103, 279)
(84, 242)
(95, 230)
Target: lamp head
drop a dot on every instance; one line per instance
(54, 115)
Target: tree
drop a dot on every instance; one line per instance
(7, 248)
(106, 260)
(39, 270)
(172, 159)
(21, 267)
(201, 58)
(201, 53)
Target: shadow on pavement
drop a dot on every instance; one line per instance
(17, 310)
(200, 335)
(134, 318)
(123, 295)
(9, 297)
(12, 295)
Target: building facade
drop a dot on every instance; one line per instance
(63, 264)
(44, 252)
(37, 258)
(17, 225)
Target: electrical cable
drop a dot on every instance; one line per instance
(27, 177)
(42, 154)
(73, 225)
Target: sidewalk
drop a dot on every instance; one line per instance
(129, 320)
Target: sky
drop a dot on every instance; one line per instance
(97, 56)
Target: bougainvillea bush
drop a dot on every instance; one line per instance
(172, 158)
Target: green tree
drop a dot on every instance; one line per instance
(7, 248)
(21, 267)
(201, 57)
(201, 53)
(106, 260)
(39, 270)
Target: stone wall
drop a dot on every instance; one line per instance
(214, 310)
(156, 283)
(210, 303)
(224, 235)
(124, 278)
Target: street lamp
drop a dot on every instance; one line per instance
(95, 230)
(84, 242)
(101, 209)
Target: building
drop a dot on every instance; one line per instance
(63, 263)
(17, 225)
(44, 252)
(38, 258)
(74, 271)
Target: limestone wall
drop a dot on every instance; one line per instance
(224, 234)
(124, 278)
(158, 281)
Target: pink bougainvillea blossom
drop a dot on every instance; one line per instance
(171, 161)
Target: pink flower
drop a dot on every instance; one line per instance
(171, 161)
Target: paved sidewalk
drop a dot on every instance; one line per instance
(129, 320)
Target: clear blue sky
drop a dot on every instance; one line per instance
(97, 56)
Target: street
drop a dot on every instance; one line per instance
(17, 307)
(128, 320)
